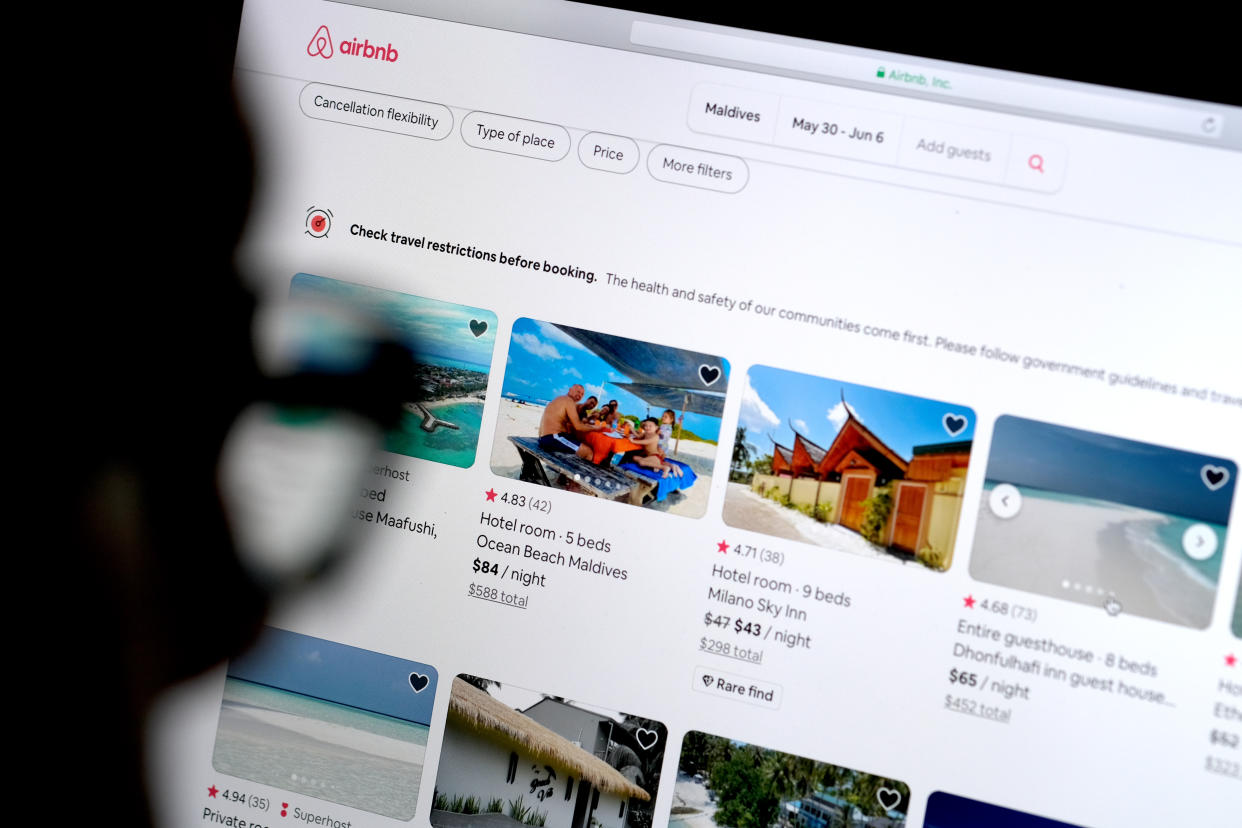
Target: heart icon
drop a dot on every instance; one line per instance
(646, 738)
(1214, 476)
(478, 327)
(418, 682)
(954, 423)
(709, 374)
(707, 680)
(888, 798)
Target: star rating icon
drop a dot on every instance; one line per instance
(212, 791)
(490, 494)
(722, 548)
(969, 601)
(1231, 660)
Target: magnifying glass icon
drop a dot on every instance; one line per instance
(1036, 162)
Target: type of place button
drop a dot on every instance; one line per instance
(516, 136)
(740, 688)
(407, 116)
(610, 153)
(697, 168)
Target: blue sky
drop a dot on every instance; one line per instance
(337, 673)
(544, 361)
(428, 327)
(1060, 459)
(773, 398)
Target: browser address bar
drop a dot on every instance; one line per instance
(953, 84)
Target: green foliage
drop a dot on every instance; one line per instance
(519, 810)
(763, 465)
(495, 805)
(537, 819)
(806, 509)
(746, 799)
(439, 802)
(876, 510)
(934, 558)
(741, 451)
(471, 805)
(823, 512)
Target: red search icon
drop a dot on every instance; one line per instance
(1036, 162)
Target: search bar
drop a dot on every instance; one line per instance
(952, 84)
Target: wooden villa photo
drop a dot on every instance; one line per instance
(849, 467)
(513, 757)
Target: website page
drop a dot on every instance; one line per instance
(779, 453)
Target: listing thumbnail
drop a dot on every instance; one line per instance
(1099, 520)
(636, 422)
(328, 721)
(452, 347)
(721, 782)
(848, 467)
(1237, 612)
(949, 811)
(516, 757)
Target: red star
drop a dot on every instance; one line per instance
(212, 791)
(490, 494)
(722, 548)
(1231, 659)
(969, 601)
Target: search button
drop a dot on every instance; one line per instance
(1036, 164)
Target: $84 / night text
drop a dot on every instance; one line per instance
(726, 622)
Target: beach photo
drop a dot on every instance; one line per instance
(610, 417)
(514, 757)
(1103, 521)
(328, 721)
(452, 347)
(723, 783)
(849, 467)
(1237, 612)
(948, 811)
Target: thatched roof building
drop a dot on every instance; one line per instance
(475, 709)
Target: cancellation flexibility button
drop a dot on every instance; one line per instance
(388, 113)
(516, 136)
(696, 168)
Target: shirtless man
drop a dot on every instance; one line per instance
(560, 430)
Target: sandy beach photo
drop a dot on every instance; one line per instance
(1103, 521)
(452, 349)
(328, 721)
(610, 417)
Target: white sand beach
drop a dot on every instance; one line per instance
(522, 420)
(1084, 552)
(244, 717)
(689, 793)
(747, 510)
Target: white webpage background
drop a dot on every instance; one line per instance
(1134, 265)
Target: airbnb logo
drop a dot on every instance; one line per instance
(321, 43)
(321, 46)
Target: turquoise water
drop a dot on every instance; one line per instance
(455, 447)
(449, 362)
(1164, 532)
(1237, 612)
(320, 749)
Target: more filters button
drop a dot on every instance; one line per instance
(697, 168)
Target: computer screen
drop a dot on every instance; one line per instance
(799, 436)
